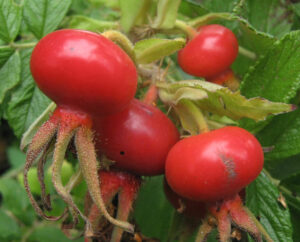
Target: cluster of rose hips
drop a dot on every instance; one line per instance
(93, 83)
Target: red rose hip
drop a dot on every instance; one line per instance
(214, 165)
(210, 52)
(84, 71)
(138, 138)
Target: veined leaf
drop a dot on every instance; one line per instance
(27, 101)
(220, 100)
(269, 16)
(283, 133)
(90, 24)
(5, 53)
(277, 75)
(10, 20)
(43, 16)
(262, 200)
(10, 75)
(150, 50)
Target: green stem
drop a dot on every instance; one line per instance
(121, 40)
(22, 45)
(206, 19)
(204, 230)
(247, 53)
(186, 28)
(75, 180)
(27, 136)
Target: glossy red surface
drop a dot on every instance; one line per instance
(138, 138)
(84, 71)
(214, 165)
(210, 52)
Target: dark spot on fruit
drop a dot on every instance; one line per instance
(72, 49)
(229, 164)
(122, 152)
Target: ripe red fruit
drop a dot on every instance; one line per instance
(84, 71)
(214, 165)
(210, 52)
(138, 138)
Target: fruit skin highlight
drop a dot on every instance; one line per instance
(210, 52)
(138, 139)
(214, 165)
(83, 71)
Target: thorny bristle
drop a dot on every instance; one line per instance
(204, 230)
(39, 144)
(46, 200)
(242, 220)
(88, 163)
(224, 226)
(64, 135)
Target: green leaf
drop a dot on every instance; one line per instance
(131, 10)
(152, 212)
(90, 24)
(10, 20)
(49, 234)
(293, 183)
(283, 168)
(219, 6)
(34, 127)
(269, 16)
(150, 50)
(283, 133)
(296, 8)
(5, 53)
(166, 14)
(43, 16)
(27, 101)
(277, 75)
(17, 201)
(296, 224)
(261, 199)
(9, 75)
(16, 157)
(252, 39)
(9, 229)
(191, 9)
(219, 100)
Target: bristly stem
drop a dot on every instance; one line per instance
(204, 230)
(259, 226)
(39, 143)
(88, 163)
(41, 164)
(189, 31)
(121, 40)
(65, 133)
